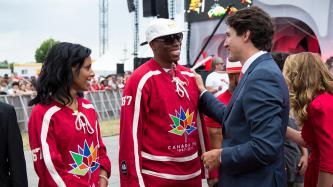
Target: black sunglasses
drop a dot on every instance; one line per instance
(169, 39)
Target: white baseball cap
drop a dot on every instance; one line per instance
(161, 27)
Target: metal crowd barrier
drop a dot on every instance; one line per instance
(106, 103)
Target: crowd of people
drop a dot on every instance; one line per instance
(15, 85)
(111, 82)
(163, 142)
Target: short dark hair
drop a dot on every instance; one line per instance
(258, 22)
(329, 62)
(56, 76)
(15, 84)
(280, 58)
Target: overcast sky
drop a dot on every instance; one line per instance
(24, 24)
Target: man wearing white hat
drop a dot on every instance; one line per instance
(159, 141)
(214, 128)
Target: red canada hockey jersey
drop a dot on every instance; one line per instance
(159, 141)
(67, 146)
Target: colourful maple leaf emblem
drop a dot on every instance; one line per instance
(182, 122)
(85, 160)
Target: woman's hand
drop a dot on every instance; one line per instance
(102, 182)
(303, 164)
(103, 178)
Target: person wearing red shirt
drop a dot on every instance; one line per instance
(159, 133)
(214, 128)
(311, 97)
(64, 132)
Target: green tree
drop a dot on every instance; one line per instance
(4, 64)
(41, 52)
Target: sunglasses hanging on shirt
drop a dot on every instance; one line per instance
(170, 39)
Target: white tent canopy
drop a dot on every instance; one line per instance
(105, 65)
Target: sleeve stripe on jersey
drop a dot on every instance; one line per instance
(168, 158)
(136, 120)
(46, 150)
(171, 176)
(87, 106)
(187, 73)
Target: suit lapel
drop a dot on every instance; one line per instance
(243, 81)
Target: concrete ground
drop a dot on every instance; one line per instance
(112, 145)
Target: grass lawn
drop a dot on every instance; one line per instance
(108, 128)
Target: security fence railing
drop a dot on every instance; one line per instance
(106, 103)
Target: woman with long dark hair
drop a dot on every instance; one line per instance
(64, 131)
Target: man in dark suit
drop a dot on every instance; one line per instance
(256, 118)
(12, 163)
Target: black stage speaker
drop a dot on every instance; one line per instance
(149, 8)
(120, 69)
(162, 9)
(139, 61)
(130, 5)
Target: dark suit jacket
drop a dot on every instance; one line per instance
(254, 128)
(12, 162)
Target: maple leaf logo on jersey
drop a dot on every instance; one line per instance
(182, 122)
(85, 160)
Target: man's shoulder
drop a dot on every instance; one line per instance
(220, 73)
(268, 75)
(210, 75)
(4, 107)
(142, 70)
(268, 68)
(146, 69)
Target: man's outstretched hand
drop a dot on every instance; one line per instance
(211, 159)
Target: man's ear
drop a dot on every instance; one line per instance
(246, 36)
